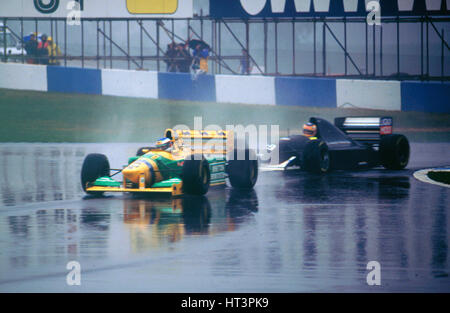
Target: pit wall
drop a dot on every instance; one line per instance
(291, 91)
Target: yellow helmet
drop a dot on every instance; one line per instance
(309, 130)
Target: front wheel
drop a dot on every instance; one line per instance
(316, 157)
(242, 169)
(394, 151)
(196, 175)
(95, 165)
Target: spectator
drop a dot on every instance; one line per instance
(245, 67)
(53, 51)
(184, 58)
(204, 54)
(196, 58)
(31, 47)
(42, 51)
(200, 61)
(170, 55)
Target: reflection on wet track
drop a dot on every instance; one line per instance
(294, 232)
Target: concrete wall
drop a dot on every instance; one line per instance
(426, 97)
(245, 89)
(306, 91)
(301, 91)
(139, 84)
(375, 94)
(180, 86)
(74, 80)
(23, 76)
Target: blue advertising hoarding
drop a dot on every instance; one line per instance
(327, 8)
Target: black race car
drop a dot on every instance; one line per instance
(352, 142)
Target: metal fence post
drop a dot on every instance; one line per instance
(5, 51)
(324, 48)
(157, 44)
(141, 43)
(265, 46)
(421, 48)
(128, 43)
(345, 45)
(219, 42)
(381, 50)
(110, 45)
(398, 46)
(293, 47)
(247, 42)
(21, 39)
(315, 47)
(374, 51)
(442, 55)
(428, 50)
(367, 49)
(65, 42)
(82, 43)
(98, 45)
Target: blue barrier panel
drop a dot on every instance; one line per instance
(180, 86)
(426, 97)
(316, 92)
(74, 80)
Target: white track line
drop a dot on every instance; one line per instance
(422, 176)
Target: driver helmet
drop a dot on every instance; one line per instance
(164, 143)
(309, 130)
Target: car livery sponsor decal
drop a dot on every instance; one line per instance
(385, 126)
(217, 168)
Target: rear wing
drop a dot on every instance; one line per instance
(367, 130)
(202, 141)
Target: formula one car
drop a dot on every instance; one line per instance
(352, 142)
(184, 162)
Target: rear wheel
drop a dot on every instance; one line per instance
(242, 169)
(94, 166)
(394, 151)
(316, 157)
(196, 176)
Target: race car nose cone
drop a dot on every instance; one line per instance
(135, 170)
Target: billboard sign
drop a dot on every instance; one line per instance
(325, 8)
(98, 8)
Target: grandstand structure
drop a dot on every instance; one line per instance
(409, 42)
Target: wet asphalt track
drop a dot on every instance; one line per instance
(296, 232)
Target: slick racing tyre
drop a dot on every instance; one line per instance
(316, 157)
(94, 166)
(242, 169)
(394, 152)
(196, 175)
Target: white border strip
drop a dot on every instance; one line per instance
(423, 177)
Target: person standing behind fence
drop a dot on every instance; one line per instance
(42, 51)
(169, 57)
(196, 59)
(244, 65)
(31, 47)
(200, 61)
(204, 54)
(184, 58)
(53, 51)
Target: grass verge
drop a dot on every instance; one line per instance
(30, 116)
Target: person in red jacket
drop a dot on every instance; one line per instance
(42, 51)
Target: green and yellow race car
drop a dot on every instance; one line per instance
(183, 162)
